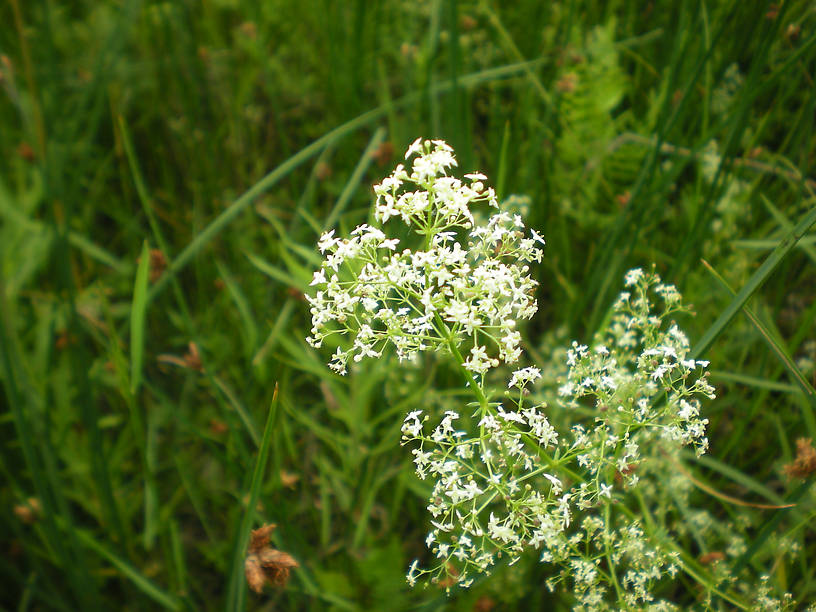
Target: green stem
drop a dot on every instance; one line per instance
(460, 362)
(608, 554)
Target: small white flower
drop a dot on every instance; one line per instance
(326, 241)
(633, 276)
(510, 417)
(557, 487)
(415, 148)
(537, 237)
(521, 377)
(411, 577)
(319, 278)
(500, 531)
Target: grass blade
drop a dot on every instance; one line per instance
(754, 283)
(356, 177)
(774, 345)
(236, 592)
(144, 584)
(138, 310)
(805, 243)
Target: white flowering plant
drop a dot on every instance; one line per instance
(504, 479)
(444, 295)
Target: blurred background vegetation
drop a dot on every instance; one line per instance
(166, 170)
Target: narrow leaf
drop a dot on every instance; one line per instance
(236, 593)
(138, 310)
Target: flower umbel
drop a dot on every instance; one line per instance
(465, 283)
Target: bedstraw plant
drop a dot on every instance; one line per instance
(505, 479)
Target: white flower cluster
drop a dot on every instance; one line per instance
(465, 282)
(640, 376)
(516, 483)
(606, 555)
(493, 496)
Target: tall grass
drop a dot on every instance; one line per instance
(225, 136)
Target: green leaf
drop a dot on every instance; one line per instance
(236, 593)
(138, 310)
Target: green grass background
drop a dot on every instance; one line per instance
(228, 134)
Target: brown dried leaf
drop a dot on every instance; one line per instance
(254, 573)
(259, 539)
(191, 359)
(29, 511)
(288, 479)
(158, 264)
(266, 564)
(805, 463)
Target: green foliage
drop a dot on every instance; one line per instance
(226, 136)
